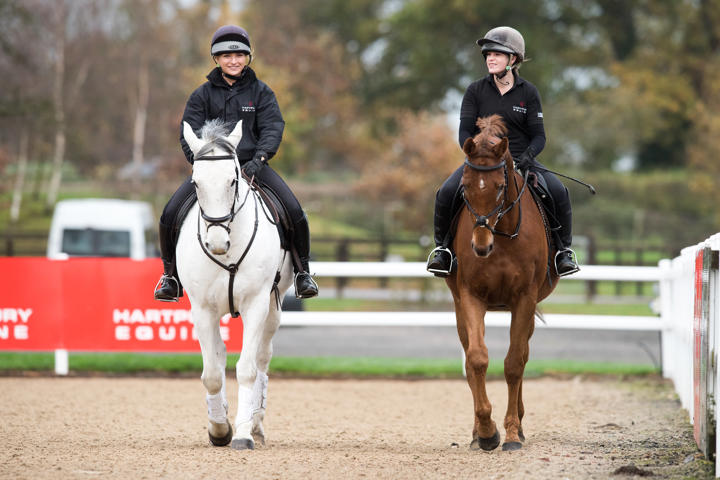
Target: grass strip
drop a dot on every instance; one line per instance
(135, 363)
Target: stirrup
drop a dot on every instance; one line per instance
(158, 285)
(437, 270)
(295, 285)
(573, 258)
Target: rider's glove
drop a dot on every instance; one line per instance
(252, 167)
(525, 161)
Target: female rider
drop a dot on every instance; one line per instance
(233, 93)
(502, 92)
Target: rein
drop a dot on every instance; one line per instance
(482, 220)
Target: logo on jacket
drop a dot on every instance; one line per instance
(520, 108)
(248, 108)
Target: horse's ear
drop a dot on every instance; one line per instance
(192, 140)
(469, 146)
(236, 134)
(500, 147)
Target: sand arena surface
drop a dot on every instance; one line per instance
(147, 428)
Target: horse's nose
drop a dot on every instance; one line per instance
(482, 251)
(216, 249)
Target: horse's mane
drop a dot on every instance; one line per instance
(215, 132)
(492, 126)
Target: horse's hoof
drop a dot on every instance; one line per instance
(222, 441)
(486, 444)
(258, 436)
(242, 444)
(510, 446)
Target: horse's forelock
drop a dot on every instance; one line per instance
(492, 129)
(215, 132)
(492, 126)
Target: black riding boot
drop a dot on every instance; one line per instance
(565, 262)
(168, 288)
(441, 259)
(305, 286)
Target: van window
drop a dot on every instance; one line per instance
(96, 243)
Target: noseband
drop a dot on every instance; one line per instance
(482, 220)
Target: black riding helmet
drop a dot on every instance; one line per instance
(504, 40)
(230, 39)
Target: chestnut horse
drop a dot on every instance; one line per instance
(502, 251)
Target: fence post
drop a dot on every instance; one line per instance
(383, 256)
(618, 261)
(639, 262)
(703, 428)
(591, 260)
(343, 255)
(61, 362)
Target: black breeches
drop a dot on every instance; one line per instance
(449, 192)
(172, 209)
(447, 203)
(269, 178)
(563, 208)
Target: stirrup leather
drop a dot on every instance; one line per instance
(158, 285)
(443, 250)
(573, 257)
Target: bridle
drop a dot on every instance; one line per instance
(482, 220)
(219, 222)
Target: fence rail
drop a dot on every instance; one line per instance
(417, 270)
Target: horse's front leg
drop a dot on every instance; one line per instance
(252, 382)
(264, 355)
(214, 354)
(521, 329)
(470, 313)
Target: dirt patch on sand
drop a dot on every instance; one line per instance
(97, 428)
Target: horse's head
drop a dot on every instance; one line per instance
(484, 180)
(216, 176)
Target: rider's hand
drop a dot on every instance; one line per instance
(252, 167)
(525, 161)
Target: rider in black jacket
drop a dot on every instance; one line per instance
(505, 93)
(233, 93)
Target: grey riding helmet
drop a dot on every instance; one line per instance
(505, 40)
(230, 39)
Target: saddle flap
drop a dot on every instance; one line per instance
(281, 217)
(540, 190)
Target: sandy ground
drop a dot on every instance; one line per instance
(576, 428)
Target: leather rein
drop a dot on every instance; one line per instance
(219, 222)
(482, 220)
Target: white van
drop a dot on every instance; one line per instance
(100, 227)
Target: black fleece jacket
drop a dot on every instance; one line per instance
(249, 100)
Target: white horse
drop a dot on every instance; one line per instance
(228, 259)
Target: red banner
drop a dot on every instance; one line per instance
(95, 304)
